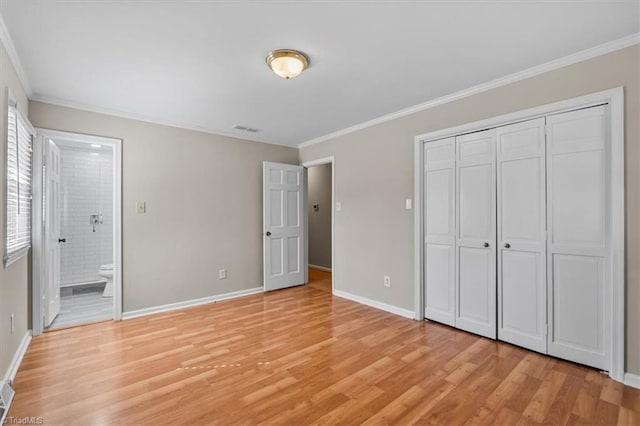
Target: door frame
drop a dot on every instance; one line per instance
(319, 162)
(615, 100)
(38, 270)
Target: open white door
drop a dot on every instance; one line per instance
(52, 232)
(284, 222)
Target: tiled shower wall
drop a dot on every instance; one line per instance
(87, 187)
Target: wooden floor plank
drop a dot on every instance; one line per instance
(301, 356)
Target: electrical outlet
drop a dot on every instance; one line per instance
(338, 206)
(387, 281)
(222, 274)
(408, 204)
(13, 317)
(141, 207)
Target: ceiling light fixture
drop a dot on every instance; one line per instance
(287, 63)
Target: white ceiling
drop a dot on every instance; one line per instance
(200, 64)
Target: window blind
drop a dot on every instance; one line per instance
(18, 181)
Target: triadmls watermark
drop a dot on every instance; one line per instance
(24, 421)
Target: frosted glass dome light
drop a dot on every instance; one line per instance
(287, 63)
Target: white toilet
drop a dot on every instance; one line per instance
(106, 271)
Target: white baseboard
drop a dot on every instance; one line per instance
(322, 268)
(375, 304)
(632, 380)
(17, 358)
(190, 303)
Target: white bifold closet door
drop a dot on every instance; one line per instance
(579, 220)
(440, 241)
(476, 233)
(522, 303)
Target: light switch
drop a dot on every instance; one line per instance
(141, 207)
(338, 206)
(408, 203)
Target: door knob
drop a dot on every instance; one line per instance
(268, 234)
(486, 244)
(507, 245)
(62, 240)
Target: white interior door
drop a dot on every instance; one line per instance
(284, 219)
(579, 217)
(476, 236)
(52, 232)
(522, 303)
(439, 220)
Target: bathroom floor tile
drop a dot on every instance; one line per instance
(83, 304)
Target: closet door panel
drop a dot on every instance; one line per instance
(521, 313)
(439, 198)
(521, 199)
(439, 220)
(476, 236)
(578, 295)
(578, 196)
(577, 184)
(476, 285)
(476, 197)
(522, 234)
(440, 281)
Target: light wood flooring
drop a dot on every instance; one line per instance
(301, 356)
(320, 280)
(83, 305)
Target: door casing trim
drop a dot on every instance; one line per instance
(319, 162)
(38, 270)
(615, 100)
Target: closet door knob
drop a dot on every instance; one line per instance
(507, 245)
(486, 244)
(268, 234)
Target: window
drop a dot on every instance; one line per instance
(18, 185)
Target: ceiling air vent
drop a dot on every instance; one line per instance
(246, 129)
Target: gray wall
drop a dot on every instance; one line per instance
(319, 178)
(204, 205)
(14, 292)
(374, 176)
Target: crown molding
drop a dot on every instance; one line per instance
(573, 58)
(7, 41)
(147, 119)
(583, 55)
